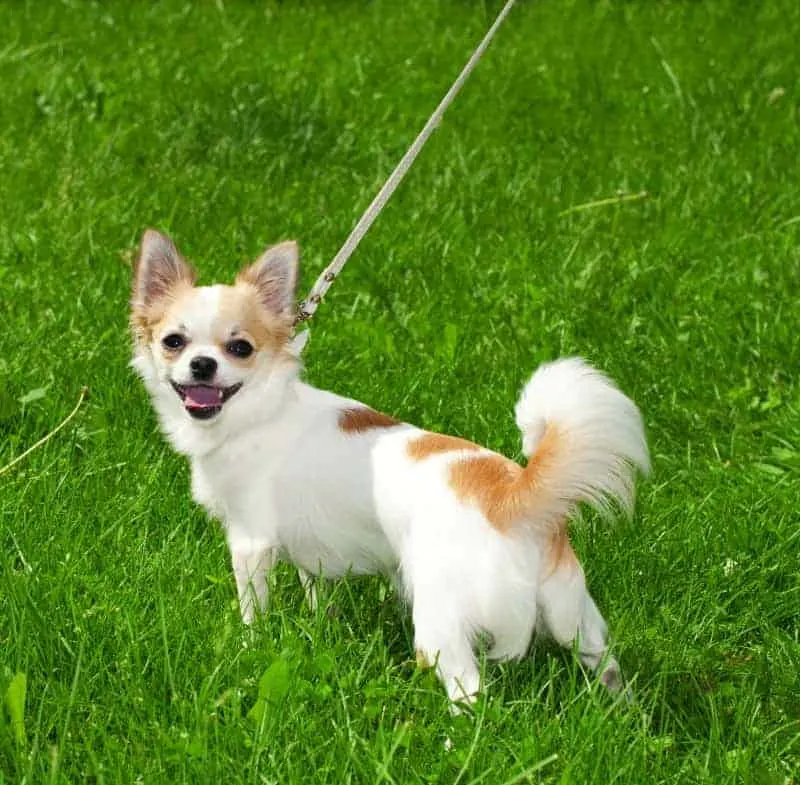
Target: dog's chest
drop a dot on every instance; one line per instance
(327, 520)
(314, 501)
(235, 485)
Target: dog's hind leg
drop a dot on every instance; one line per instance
(441, 639)
(568, 611)
(434, 571)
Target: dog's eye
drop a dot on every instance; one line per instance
(173, 342)
(240, 348)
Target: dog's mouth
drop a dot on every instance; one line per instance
(204, 401)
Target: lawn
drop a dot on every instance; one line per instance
(236, 124)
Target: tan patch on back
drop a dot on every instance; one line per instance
(429, 444)
(241, 315)
(500, 488)
(358, 419)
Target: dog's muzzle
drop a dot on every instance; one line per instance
(204, 401)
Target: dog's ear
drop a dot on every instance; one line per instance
(159, 268)
(274, 274)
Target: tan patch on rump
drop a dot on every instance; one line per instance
(493, 484)
(500, 488)
(358, 419)
(241, 315)
(562, 556)
(429, 444)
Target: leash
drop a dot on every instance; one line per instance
(307, 307)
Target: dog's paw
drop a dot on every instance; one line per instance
(611, 678)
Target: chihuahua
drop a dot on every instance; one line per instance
(476, 543)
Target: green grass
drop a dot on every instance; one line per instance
(236, 124)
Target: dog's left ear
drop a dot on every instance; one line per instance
(159, 269)
(274, 274)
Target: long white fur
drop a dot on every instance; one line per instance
(287, 483)
(602, 440)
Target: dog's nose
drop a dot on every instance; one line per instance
(203, 368)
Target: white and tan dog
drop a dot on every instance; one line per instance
(477, 544)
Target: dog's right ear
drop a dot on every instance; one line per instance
(159, 269)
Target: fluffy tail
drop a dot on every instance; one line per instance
(584, 440)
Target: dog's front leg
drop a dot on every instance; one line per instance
(252, 562)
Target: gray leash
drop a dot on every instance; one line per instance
(307, 307)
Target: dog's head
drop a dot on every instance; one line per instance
(199, 349)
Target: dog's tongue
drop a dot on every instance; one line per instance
(202, 397)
